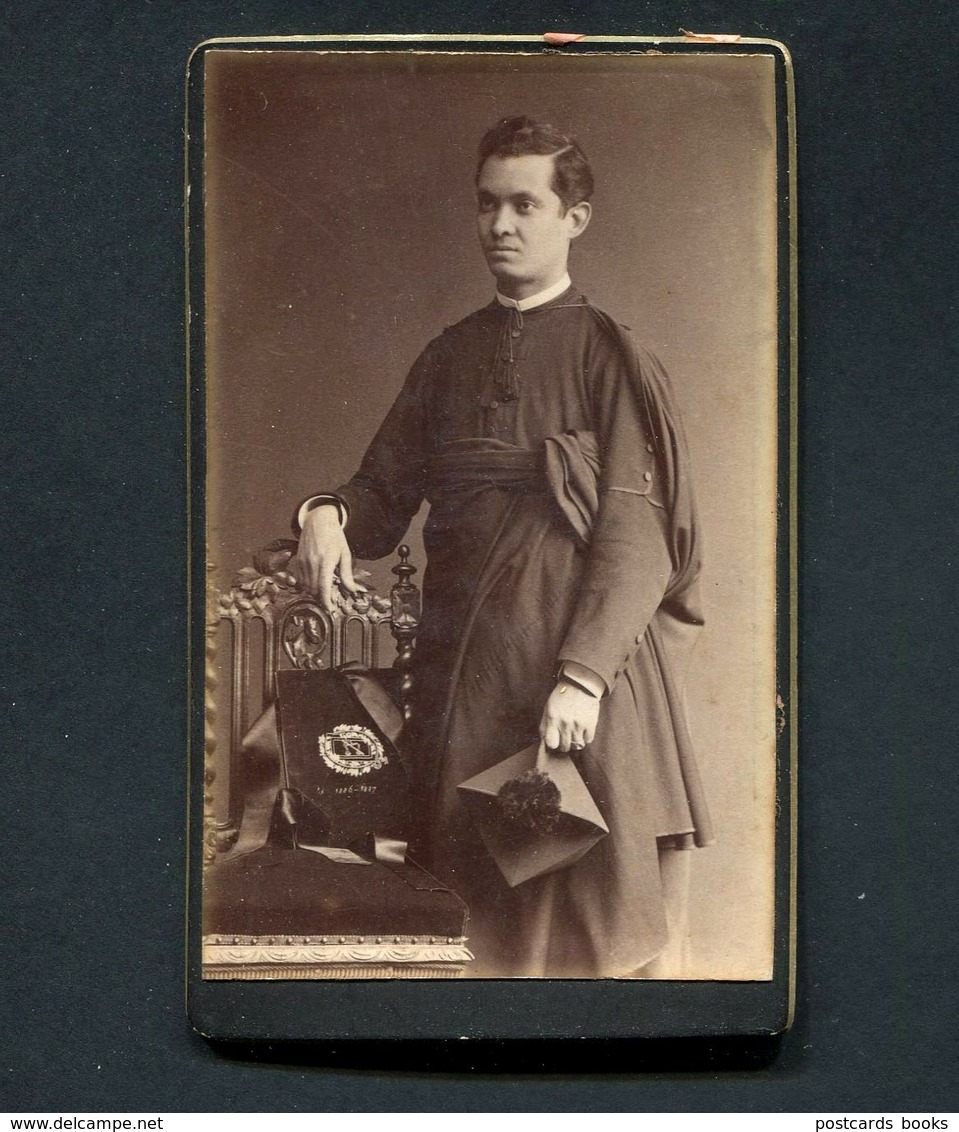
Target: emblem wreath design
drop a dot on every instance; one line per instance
(351, 749)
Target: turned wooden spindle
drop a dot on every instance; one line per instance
(405, 605)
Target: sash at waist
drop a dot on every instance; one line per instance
(467, 465)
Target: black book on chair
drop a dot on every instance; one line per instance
(338, 732)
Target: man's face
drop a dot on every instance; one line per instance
(523, 228)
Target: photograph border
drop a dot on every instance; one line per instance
(504, 1008)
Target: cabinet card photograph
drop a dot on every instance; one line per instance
(493, 452)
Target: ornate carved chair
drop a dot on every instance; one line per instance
(275, 910)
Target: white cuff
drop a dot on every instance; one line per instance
(319, 501)
(585, 677)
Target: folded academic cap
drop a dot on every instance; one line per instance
(520, 852)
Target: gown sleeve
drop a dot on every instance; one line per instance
(629, 563)
(388, 489)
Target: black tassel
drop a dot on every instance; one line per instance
(530, 802)
(507, 384)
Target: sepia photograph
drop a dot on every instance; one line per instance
(492, 355)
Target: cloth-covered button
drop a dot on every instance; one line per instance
(494, 404)
(514, 333)
(639, 638)
(647, 476)
(649, 448)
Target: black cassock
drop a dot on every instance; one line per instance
(528, 568)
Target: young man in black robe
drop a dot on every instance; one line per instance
(560, 596)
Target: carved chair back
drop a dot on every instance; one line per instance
(266, 621)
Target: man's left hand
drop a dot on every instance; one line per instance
(569, 718)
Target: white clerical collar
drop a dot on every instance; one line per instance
(538, 299)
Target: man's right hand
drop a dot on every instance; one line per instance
(323, 555)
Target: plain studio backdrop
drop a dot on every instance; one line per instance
(340, 238)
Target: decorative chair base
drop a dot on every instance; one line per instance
(340, 957)
(278, 913)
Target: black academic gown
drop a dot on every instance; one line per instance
(512, 590)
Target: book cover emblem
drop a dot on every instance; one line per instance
(351, 749)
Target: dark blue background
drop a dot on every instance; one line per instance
(93, 686)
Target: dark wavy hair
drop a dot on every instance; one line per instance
(520, 136)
